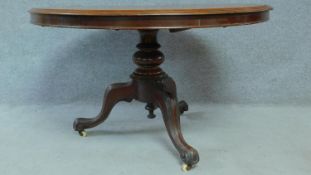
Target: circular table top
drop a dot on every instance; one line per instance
(151, 18)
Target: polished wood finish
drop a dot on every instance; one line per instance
(150, 84)
(133, 19)
(211, 9)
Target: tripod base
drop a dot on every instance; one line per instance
(152, 86)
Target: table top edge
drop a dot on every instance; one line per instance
(151, 12)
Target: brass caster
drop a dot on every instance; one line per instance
(83, 133)
(185, 167)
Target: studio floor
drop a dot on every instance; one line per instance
(231, 139)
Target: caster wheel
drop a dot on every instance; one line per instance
(82, 133)
(185, 167)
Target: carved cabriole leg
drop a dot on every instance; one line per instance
(166, 100)
(157, 88)
(114, 93)
(171, 116)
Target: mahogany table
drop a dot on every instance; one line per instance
(149, 83)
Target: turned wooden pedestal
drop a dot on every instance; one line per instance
(149, 83)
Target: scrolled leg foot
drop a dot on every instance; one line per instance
(171, 115)
(80, 124)
(183, 106)
(114, 93)
(190, 157)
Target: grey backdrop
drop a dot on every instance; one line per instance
(264, 63)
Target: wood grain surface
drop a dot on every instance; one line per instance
(170, 18)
